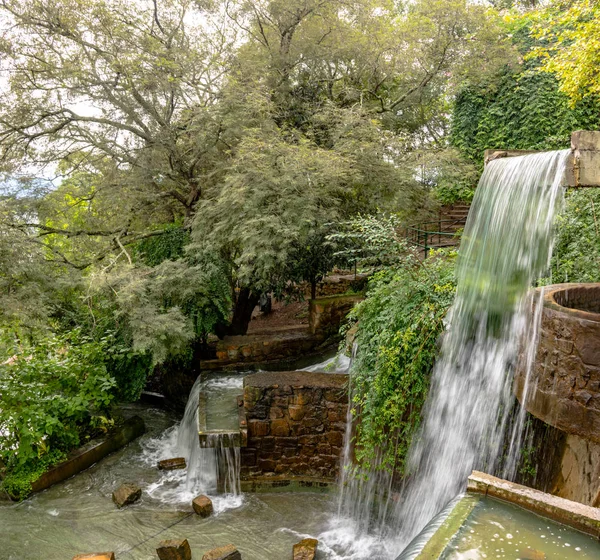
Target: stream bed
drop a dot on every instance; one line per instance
(78, 515)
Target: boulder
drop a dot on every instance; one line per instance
(174, 550)
(203, 506)
(96, 556)
(228, 552)
(305, 549)
(126, 494)
(172, 464)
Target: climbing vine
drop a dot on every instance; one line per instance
(399, 324)
(522, 109)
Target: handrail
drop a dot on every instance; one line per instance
(418, 236)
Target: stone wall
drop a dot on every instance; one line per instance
(564, 386)
(296, 423)
(327, 314)
(564, 393)
(578, 477)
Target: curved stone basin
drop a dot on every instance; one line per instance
(564, 384)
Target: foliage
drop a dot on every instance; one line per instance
(17, 483)
(518, 110)
(399, 324)
(53, 394)
(576, 256)
(569, 33)
(372, 241)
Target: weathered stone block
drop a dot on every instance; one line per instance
(306, 549)
(275, 412)
(280, 427)
(301, 397)
(585, 140)
(172, 464)
(335, 438)
(96, 556)
(267, 465)
(174, 550)
(126, 494)
(258, 428)
(228, 552)
(297, 412)
(203, 506)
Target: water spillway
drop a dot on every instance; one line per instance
(506, 246)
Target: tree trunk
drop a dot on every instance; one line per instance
(242, 313)
(313, 289)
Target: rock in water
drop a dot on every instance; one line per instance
(96, 556)
(172, 464)
(126, 494)
(228, 552)
(305, 549)
(203, 506)
(174, 550)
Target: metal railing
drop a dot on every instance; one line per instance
(436, 234)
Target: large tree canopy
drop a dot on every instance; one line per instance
(250, 128)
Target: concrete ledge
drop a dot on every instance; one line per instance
(436, 545)
(85, 457)
(583, 518)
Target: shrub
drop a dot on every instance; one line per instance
(53, 394)
(399, 324)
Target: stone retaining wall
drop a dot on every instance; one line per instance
(296, 423)
(564, 386)
(326, 315)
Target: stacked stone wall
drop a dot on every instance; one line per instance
(564, 386)
(296, 423)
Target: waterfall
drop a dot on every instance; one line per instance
(212, 469)
(506, 246)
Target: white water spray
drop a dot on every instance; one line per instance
(506, 246)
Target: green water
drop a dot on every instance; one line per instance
(499, 530)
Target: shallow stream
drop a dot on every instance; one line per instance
(78, 516)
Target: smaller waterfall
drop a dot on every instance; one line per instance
(212, 469)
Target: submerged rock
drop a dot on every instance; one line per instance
(172, 464)
(305, 549)
(174, 550)
(96, 556)
(126, 494)
(228, 552)
(203, 506)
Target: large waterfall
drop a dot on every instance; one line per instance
(506, 246)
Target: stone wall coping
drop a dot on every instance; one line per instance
(578, 516)
(296, 379)
(84, 457)
(551, 291)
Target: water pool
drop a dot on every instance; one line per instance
(496, 529)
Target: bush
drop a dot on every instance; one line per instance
(54, 393)
(399, 324)
(576, 256)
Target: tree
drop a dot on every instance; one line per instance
(122, 90)
(568, 31)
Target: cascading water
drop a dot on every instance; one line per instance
(212, 469)
(506, 246)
